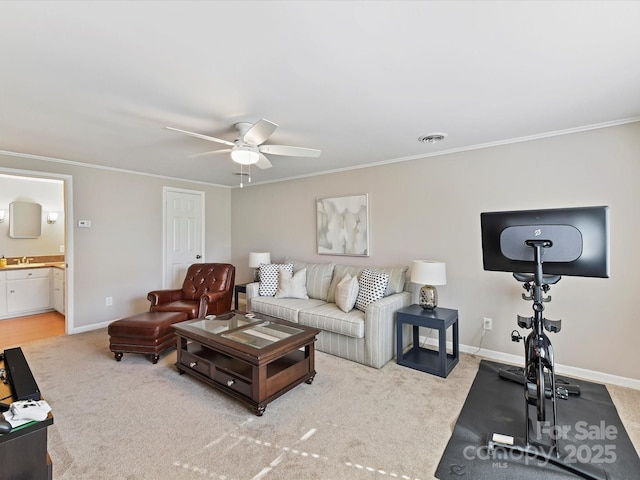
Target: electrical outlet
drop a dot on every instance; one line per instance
(487, 323)
(108, 301)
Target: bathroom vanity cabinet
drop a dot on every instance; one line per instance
(57, 293)
(25, 291)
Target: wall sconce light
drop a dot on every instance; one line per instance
(52, 217)
(2, 212)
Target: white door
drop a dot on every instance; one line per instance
(184, 233)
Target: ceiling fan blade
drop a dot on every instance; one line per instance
(263, 162)
(204, 137)
(259, 132)
(211, 152)
(289, 151)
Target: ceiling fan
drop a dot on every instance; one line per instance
(248, 148)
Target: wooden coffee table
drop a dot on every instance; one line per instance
(255, 360)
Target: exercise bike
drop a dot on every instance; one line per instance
(539, 373)
(538, 377)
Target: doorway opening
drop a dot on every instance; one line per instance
(54, 247)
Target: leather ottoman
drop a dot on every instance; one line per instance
(146, 333)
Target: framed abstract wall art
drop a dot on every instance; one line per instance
(343, 225)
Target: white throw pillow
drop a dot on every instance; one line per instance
(373, 284)
(347, 293)
(269, 278)
(292, 285)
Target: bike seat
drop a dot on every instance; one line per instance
(530, 277)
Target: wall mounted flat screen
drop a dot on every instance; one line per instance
(578, 238)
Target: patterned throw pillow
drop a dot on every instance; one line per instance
(292, 285)
(347, 293)
(373, 284)
(269, 278)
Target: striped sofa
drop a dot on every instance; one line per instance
(366, 337)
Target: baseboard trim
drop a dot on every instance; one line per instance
(89, 328)
(575, 372)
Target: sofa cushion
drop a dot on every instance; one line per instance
(318, 277)
(292, 285)
(373, 284)
(347, 293)
(284, 308)
(397, 278)
(329, 317)
(269, 273)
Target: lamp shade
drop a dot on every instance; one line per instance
(428, 272)
(258, 258)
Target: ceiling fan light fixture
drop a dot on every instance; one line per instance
(245, 155)
(249, 148)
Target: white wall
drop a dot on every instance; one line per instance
(430, 209)
(427, 208)
(121, 254)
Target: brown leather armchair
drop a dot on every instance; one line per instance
(207, 290)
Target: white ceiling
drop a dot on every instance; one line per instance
(96, 82)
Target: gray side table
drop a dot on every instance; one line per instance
(437, 362)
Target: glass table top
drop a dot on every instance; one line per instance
(213, 324)
(247, 330)
(259, 335)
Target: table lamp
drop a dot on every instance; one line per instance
(255, 260)
(428, 273)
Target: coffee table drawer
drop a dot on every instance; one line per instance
(195, 363)
(232, 382)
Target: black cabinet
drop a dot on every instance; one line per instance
(23, 452)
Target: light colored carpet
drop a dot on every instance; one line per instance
(135, 420)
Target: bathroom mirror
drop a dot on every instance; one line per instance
(25, 220)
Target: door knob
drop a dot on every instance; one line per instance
(198, 257)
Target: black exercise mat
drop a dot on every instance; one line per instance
(595, 433)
